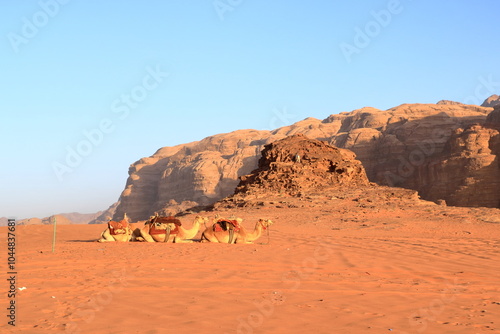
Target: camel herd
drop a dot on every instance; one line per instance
(169, 229)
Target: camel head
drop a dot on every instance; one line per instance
(201, 220)
(265, 223)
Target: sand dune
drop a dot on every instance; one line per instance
(426, 269)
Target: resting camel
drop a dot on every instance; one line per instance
(117, 231)
(232, 232)
(168, 229)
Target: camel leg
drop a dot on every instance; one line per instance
(208, 238)
(242, 241)
(204, 238)
(106, 236)
(182, 241)
(122, 238)
(146, 236)
(136, 235)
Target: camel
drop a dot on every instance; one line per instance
(232, 232)
(117, 231)
(168, 229)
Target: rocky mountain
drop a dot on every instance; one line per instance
(415, 146)
(469, 174)
(492, 101)
(104, 216)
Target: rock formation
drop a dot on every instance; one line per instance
(299, 172)
(467, 172)
(402, 146)
(491, 101)
(296, 165)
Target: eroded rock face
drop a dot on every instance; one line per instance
(492, 101)
(298, 165)
(469, 174)
(403, 146)
(199, 173)
(493, 119)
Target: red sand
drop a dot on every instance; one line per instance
(368, 271)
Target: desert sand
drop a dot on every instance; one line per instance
(331, 264)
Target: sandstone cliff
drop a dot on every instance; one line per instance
(402, 146)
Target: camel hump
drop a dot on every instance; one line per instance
(117, 225)
(167, 220)
(114, 226)
(155, 231)
(226, 224)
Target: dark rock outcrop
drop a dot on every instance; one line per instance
(297, 165)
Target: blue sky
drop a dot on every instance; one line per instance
(134, 76)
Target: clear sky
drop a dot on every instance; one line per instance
(88, 87)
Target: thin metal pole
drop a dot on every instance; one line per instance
(54, 237)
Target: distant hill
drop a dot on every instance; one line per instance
(62, 218)
(104, 216)
(3, 221)
(81, 218)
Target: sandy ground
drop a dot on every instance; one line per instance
(334, 267)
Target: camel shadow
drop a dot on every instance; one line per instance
(91, 240)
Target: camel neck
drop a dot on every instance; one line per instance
(257, 232)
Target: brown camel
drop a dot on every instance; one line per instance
(117, 231)
(168, 229)
(231, 231)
